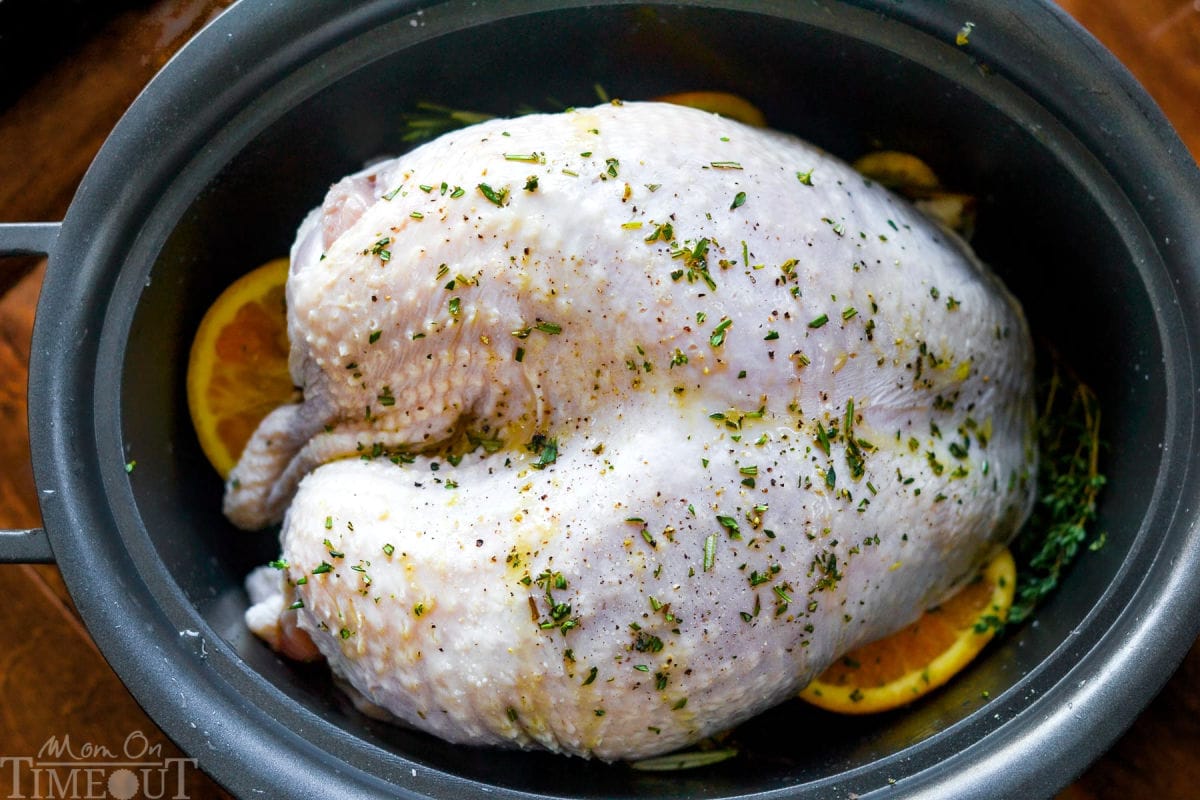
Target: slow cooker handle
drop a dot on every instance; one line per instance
(31, 545)
(26, 546)
(28, 238)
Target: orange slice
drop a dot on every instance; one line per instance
(915, 179)
(898, 669)
(724, 103)
(238, 368)
(897, 170)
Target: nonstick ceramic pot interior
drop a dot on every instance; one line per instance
(1081, 211)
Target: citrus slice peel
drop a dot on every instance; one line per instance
(912, 662)
(238, 366)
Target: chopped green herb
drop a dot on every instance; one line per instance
(710, 552)
(664, 232)
(493, 196)
(380, 249)
(730, 525)
(718, 335)
(548, 453)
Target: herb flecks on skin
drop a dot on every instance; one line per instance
(559, 611)
(542, 326)
(718, 335)
(695, 257)
(710, 552)
(547, 450)
(497, 197)
(380, 249)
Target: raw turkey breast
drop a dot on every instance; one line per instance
(621, 424)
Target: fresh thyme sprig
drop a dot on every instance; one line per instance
(1069, 482)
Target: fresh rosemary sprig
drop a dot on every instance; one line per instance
(1069, 481)
(702, 755)
(431, 120)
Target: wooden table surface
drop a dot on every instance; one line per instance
(53, 678)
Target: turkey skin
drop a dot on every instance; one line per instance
(620, 424)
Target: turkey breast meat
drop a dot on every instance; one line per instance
(621, 424)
